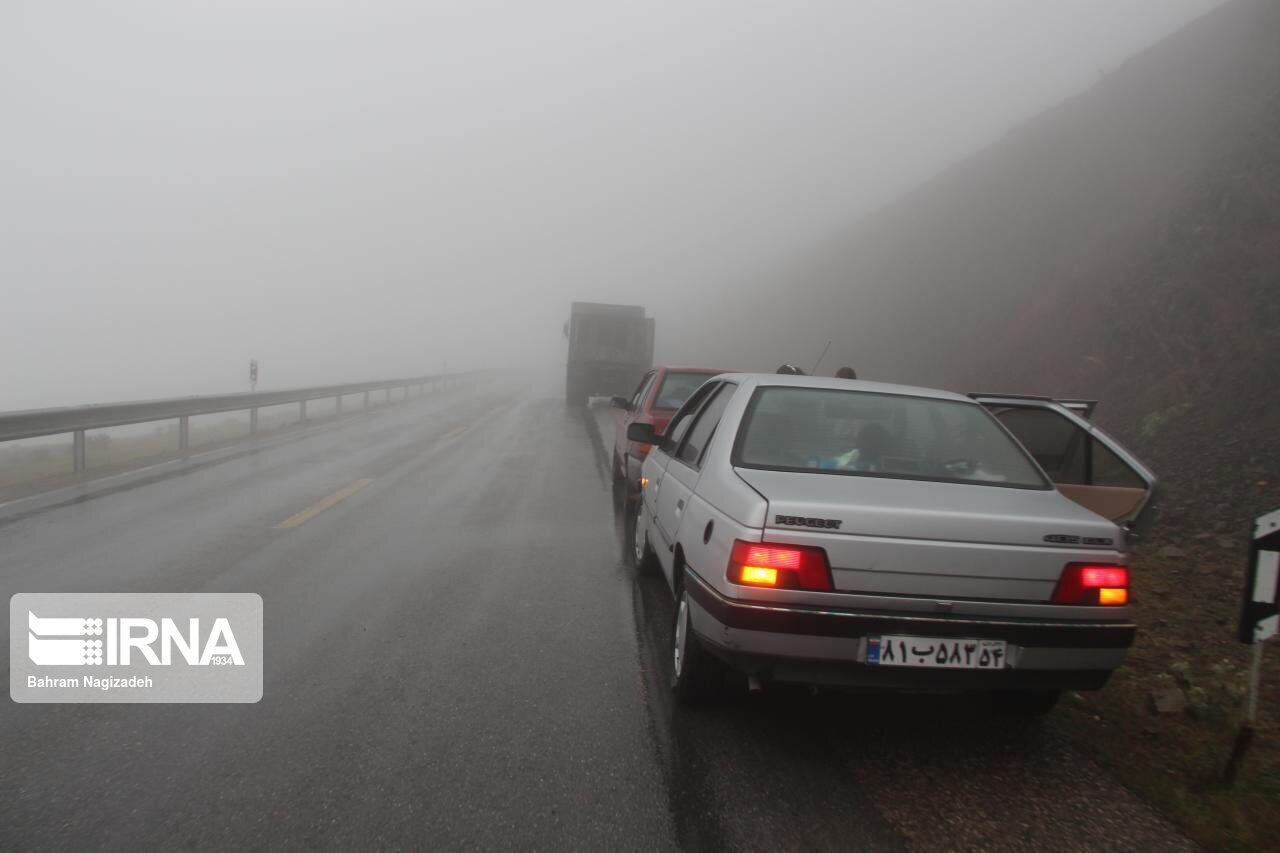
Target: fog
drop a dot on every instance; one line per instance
(350, 191)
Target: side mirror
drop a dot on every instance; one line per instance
(642, 433)
(619, 402)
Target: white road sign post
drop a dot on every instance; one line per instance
(1259, 621)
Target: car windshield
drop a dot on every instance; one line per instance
(676, 388)
(884, 435)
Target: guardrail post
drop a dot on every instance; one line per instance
(302, 411)
(253, 421)
(77, 450)
(184, 432)
(337, 405)
(366, 401)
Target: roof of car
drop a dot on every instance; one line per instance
(848, 385)
(672, 369)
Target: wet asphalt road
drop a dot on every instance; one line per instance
(458, 655)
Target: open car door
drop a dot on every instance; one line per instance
(1086, 464)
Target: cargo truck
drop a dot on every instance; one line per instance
(610, 348)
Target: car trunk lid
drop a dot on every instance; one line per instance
(944, 540)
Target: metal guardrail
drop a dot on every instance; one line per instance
(78, 419)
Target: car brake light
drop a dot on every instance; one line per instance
(759, 575)
(780, 566)
(1082, 583)
(1113, 595)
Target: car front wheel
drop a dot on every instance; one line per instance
(697, 676)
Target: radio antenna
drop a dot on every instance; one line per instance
(814, 372)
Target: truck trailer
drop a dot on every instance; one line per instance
(610, 348)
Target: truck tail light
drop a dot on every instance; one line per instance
(1085, 583)
(779, 566)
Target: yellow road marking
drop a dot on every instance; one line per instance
(321, 505)
(456, 431)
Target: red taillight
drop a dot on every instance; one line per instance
(779, 566)
(1082, 583)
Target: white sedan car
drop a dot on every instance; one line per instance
(838, 532)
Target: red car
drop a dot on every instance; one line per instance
(661, 391)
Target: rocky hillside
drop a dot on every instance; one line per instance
(1123, 246)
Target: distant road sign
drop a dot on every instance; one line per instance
(1260, 615)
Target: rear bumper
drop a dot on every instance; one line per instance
(810, 645)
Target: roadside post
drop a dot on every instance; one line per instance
(1259, 622)
(253, 374)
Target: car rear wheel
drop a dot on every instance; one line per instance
(619, 487)
(697, 677)
(645, 560)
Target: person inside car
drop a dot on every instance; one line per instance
(874, 443)
(846, 373)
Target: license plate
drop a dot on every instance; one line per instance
(935, 652)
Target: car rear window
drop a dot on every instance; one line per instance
(676, 388)
(881, 435)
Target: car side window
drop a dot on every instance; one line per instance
(681, 421)
(637, 399)
(694, 443)
(1068, 454)
(1051, 439)
(1110, 470)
